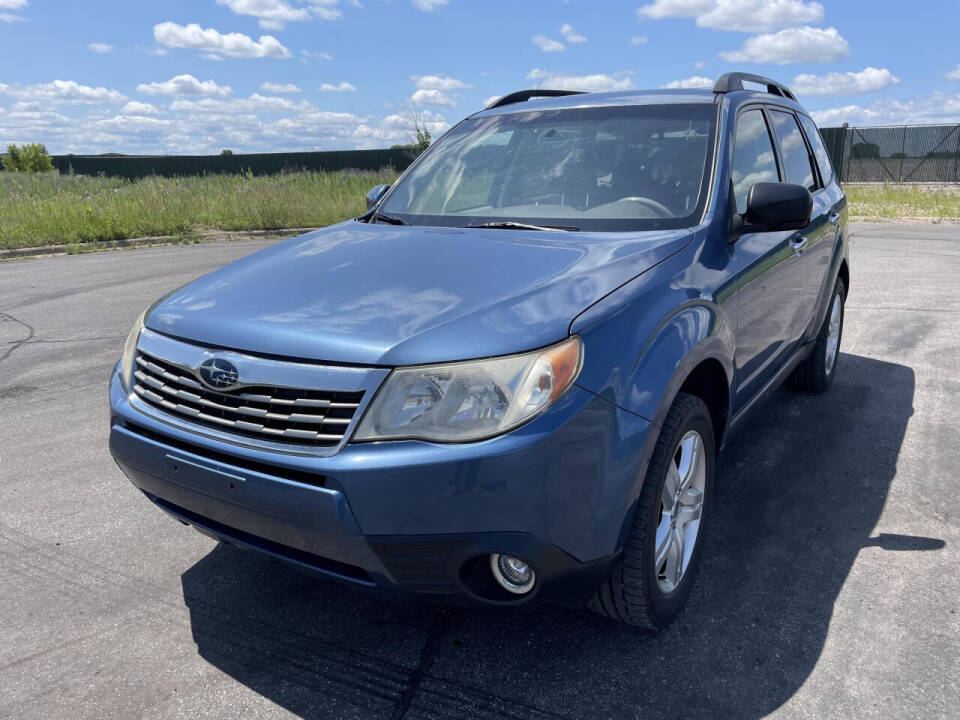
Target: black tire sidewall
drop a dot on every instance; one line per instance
(665, 605)
(838, 291)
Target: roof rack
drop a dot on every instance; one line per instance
(734, 81)
(524, 95)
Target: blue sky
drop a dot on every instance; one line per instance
(196, 76)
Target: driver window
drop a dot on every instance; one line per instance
(753, 158)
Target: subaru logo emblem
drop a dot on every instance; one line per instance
(218, 373)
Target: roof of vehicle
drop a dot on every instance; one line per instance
(727, 86)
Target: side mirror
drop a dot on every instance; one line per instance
(775, 206)
(377, 192)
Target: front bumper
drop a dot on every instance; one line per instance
(410, 516)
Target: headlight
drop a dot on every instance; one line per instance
(458, 402)
(129, 351)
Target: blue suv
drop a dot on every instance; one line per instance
(509, 380)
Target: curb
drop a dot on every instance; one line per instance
(84, 247)
(905, 220)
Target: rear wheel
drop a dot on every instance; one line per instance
(652, 579)
(815, 374)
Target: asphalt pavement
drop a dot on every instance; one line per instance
(830, 584)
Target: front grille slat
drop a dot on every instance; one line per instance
(296, 415)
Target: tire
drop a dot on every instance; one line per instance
(638, 592)
(816, 373)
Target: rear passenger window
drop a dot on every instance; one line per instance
(819, 149)
(796, 157)
(753, 158)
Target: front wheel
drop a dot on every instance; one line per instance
(816, 373)
(652, 579)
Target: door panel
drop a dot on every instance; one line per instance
(772, 274)
(827, 205)
(800, 168)
(769, 272)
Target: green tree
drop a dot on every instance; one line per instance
(27, 158)
(226, 151)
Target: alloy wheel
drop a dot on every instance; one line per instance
(833, 333)
(681, 506)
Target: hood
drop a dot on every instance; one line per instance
(391, 295)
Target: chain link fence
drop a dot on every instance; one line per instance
(896, 153)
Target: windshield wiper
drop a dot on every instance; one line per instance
(389, 219)
(510, 225)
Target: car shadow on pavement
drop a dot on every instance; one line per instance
(802, 485)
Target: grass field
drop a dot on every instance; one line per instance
(931, 202)
(52, 209)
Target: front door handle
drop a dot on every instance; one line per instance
(835, 218)
(799, 244)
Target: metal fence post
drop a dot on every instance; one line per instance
(956, 158)
(843, 152)
(903, 154)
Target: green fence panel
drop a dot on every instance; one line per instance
(133, 166)
(895, 153)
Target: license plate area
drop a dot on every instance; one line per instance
(204, 479)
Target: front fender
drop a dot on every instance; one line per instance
(646, 361)
(639, 364)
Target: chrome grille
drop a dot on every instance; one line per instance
(291, 415)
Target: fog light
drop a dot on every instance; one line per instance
(512, 573)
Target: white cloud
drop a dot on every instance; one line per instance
(699, 65)
(234, 44)
(638, 40)
(253, 104)
(804, 44)
(272, 14)
(279, 87)
(548, 44)
(211, 56)
(690, 82)
(588, 83)
(435, 89)
(135, 107)
(743, 15)
(660, 9)
(934, 108)
(954, 74)
(206, 125)
(341, 87)
(429, 5)
(760, 15)
(315, 54)
(133, 123)
(571, 35)
(99, 47)
(869, 79)
(438, 82)
(11, 5)
(185, 85)
(63, 91)
(490, 100)
(431, 97)
(326, 9)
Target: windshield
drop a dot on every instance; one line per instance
(597, 168)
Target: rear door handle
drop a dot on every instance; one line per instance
(835, 218)
(799, 244)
